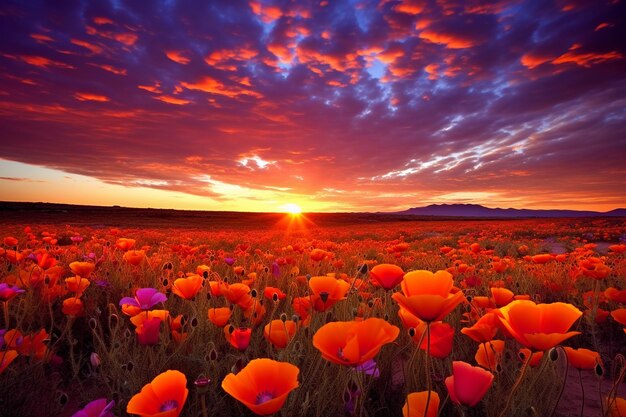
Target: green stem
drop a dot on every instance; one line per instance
(428, 380)
(516, 385)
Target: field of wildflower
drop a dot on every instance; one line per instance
(405, 318)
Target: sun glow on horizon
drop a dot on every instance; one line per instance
(291, 208)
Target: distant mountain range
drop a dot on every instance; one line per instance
(476, 210)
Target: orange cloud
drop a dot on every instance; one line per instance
(531, 60)
(392, 53)
(90, 97)
(587, 59)
(213, 86)
(95, 49)
(127, 38)
(151, 88)
(178, 56)
(172, 100)
(267, 13)
(219, 59)
(449, 40)
(110, 68)
(410, 7)
(42, 62)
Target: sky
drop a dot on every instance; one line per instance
(346, 105)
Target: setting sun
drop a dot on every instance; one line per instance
(292, 208)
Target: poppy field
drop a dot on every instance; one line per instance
(305, 318)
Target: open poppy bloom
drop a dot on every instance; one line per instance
(415, 405)
(165, 396)
(83, 269)
(238, 294)
(353, 343)
(484, 329)
(489, 354)
(145, 299)
(188, 287)
(582, 358)
(263, 385)
(134, 257)
(125, 243)
(279, 333)
(220, 316)
(468, 384)
(387, 275)
(428, 296)
(97, 408)
(77, 284)
(273, 293)
(539, 326)
(327, 290)
(72, 307)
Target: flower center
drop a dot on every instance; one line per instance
(169, 405)
(264, 397)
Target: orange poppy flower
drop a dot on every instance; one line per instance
(165, 396)
(489, 354)
(353, 342)
(327, 290)
(543, 258)
(617, 407)
(582, 358)
(428, 296)
(220, 316)
(84, 269)
(613, 294)
(73, 307)
(617, 248)
(468, 384)
(619, 315)
(263, 385)
(501, 296)
(10, 241)
(125, 244)
(238, 294)
(255, 313)
(594, 268)
(134, 257)
(408, 320)
(387, 275)
(273, 293)
(6, 357)
(77, 284)
(34, 345)
(188, 287)
(238, 337)
(415, 405)
(279, 333)
(539, 326)
(484, 329)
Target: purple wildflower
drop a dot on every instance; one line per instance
(7, 291)
(145, 298)
(370, 368)
(229, 261)
(97, 408)
(275, 269)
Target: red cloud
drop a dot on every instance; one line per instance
(90, 97)
(214, 86)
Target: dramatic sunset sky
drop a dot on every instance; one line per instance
(334, 105)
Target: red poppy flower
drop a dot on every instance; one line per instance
(539, 326)
(73, 307)
(468, 384)
(6, 357)
(353, 342)
(441, 338)
(387, 275)
(125, 244)
(263, 385)
(238, 337)
(165, 396)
